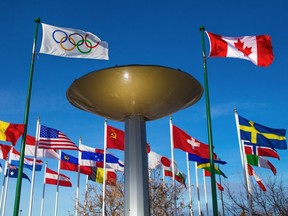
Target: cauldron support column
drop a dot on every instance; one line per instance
(136, 184)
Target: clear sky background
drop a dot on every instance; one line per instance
(144, 32)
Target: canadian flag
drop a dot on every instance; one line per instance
(257, 49)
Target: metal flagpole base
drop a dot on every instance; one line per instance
(136, 185)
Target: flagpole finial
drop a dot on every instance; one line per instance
(202, 28)
(37, 20)
(235, 110)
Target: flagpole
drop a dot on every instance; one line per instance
(33, 169)
(209, 127)
(26, 116)
(6, 181)
(173, 166)
(57, 190)
(189, 185)
(221, 195)
(86, 192)
(43, 193)
(104, 167)
(205, 192)
(197, 187)
(242, 154)
(78, 178)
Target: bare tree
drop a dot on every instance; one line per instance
(274, 201)
(161, 198)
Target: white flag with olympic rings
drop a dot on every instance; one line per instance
(73, 43)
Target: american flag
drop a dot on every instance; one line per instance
(54, 139)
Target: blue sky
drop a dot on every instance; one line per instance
(144, 32)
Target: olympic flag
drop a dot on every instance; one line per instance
(73, 43)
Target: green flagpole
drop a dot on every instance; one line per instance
(209, 127)
(26, 115)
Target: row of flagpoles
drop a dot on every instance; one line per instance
(257, 49)
(264, 140)
(48, 140)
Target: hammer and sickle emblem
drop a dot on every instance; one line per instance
(113, 134)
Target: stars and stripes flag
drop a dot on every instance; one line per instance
(54, 139)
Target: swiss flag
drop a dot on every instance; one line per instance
(185, 142)
(257, 49)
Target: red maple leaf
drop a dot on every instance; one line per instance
(240, 46)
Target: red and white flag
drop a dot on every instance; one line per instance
(4, 150)
(251, 172)
(257, 49)
(40, 153)
(51, 177)
(185, 142)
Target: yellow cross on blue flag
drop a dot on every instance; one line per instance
(261, 135)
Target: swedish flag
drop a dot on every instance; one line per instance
(262, 135)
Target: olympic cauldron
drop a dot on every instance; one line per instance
(135, 94)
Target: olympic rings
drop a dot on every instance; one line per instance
(73, 42)
(83, 52)
(70, 38)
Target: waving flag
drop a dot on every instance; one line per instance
(51, 177)
(73, 43)
(93, 159)
(13, 173)
(219, 186)
(4, 150)
(68, 162)
(115, 138)
(98, 176)
(54, 139)
(187, 143)
(262, 135)
(255, 149)
(251, 172)
(180, 177)
(259, 161)
(40, 153)
(28, 162)
(10, 132)
(206, 166)
(257, 49)
(158, 161)
(196, 158)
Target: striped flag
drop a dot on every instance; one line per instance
(54, 139)
(31, 146)
(51, 177)
(28, 162)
